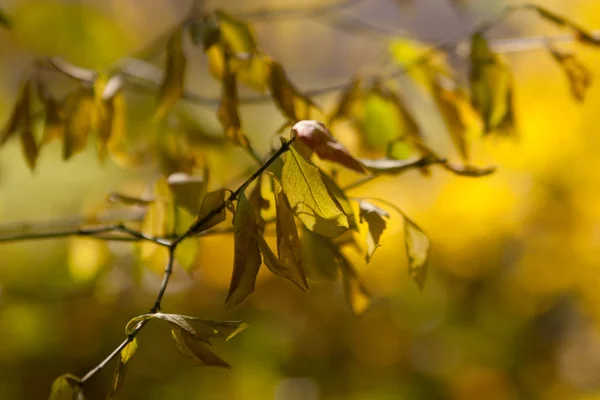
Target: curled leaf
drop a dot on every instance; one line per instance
(375, 217)
(309, 197)
(317, 137)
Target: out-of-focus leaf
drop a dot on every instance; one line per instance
(216, 63)
(349, 99)
(85, 258)
(121, 368)
(580, 77)
(292, 103)
(197, 351)
(469, 170)
(237, 34)
(309, 198)
(582, 35)
(79, 108)
(375, 217)
(5, 20)
(418, 58)
(394, 167)
(319, 256)
(460, 117)
(288, 240)
(317, 137)
(172, 85)
(204, 31)
(417, 250)
(188, 191)
(66, 387)
(128, 200)
(491, 88)
(117, 143)
(211, 201)
(228, 107)
(246, 258)
(356, 292)
(53, 120)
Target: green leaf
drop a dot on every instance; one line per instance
(172, 85)
(288, 240)
(357, 295)
(309, 198)
(204, 31)
(66, 387)
(193, 348)
(491, 88)
(187, 191)
(579, 76)
(211, 202)
(121, 368)
(246, 258)
(417, 250)
(375, 218)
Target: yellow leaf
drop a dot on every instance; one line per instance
(349, 101)
(193, 348)
(375, 218)
(309, 197)
(53, 120)
(28, 143)
(188, 191)
(121, 368)
(66, 387)
(580, 77)
(417, 250)
(289, 272)
(228, 107)
(79, 108)
(210, 202)
(172, 85)
(85, 257)
(246, 258)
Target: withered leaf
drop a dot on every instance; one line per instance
(580, 77)
(195, 349)
(317, 137)
(228, 107)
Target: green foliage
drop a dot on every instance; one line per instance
(66, 387)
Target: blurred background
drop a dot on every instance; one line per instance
(511, 309)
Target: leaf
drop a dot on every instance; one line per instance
(417, 250)
(580, 77)
(375, 219)
(290, 101)
(172, 85)
(173, 319)
(317, 137)
(246, 258)
(53, 120)
(228, 107)
(79, 107)
(357, 294)
(237, 34)
(66, 387)
(319, 256)
(121, 368)
(193, 348)
(28, 143)
(289, 272)
(128, 200)
(288, 240)
(349, 100)
(210, 202)
(207, 329)
(204, 31)
(342, 200)
(187, 191)
(309, 198)
(5, 20)
(491, 88)
(582, 35)
(21, 107)
(394, 167)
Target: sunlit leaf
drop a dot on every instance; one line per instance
(341, 199)
(581, 34)
(228, 107)
(172, 85)
(580, 77)
(195, 349)
(317, 137)
(394, 167)
(121, 368)
(309, 198)
(211, 202)
(66, 387)
(292, 103)
(491, 88)
(204, 31)
(356, 292)
(375, 218)
(417, 250)
(288, 240)
(246, 258)
(188, 191)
